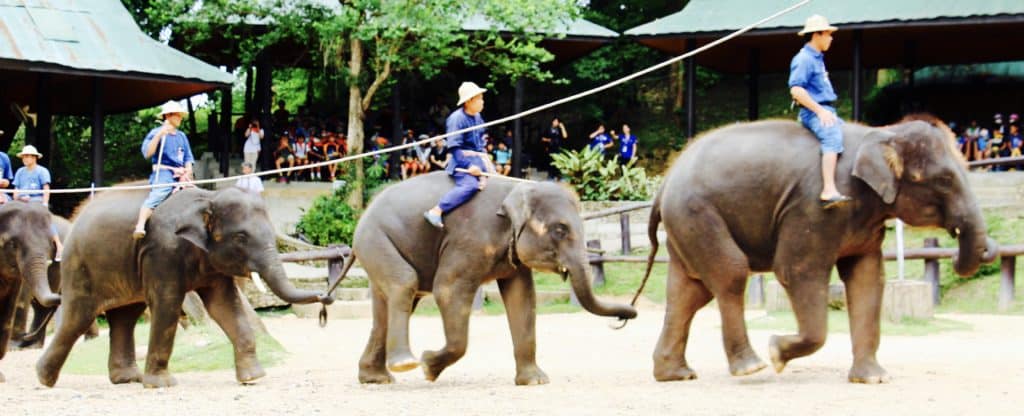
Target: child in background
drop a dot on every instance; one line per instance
(503, 158)
(250, 183)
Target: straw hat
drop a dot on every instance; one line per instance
(817, 23)
(469, 90)
(29, 150)
(171, 107)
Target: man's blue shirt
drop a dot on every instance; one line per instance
(177, 153)
(807, 70)
(472, 140)
(600, 141)
(32, 180)
(5, 167)
(626, 142)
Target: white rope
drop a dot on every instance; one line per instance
(457, 132)
(496, 175)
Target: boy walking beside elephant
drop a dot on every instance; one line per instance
(811, 88)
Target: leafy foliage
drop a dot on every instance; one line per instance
(332, 219)
(598, 179)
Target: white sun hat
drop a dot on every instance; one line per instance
(469, 90)
(171, 107)
(29, 150)
(817, 23)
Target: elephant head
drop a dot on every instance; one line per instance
(233, 230)
(547, 235)
(921, 177)
(26, 247)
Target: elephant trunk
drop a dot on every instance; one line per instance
(579, 276)
(35, 269)
(975, 246)
(273, 273)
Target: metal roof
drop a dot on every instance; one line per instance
(570, 29)
(76, 41)
(702, 16)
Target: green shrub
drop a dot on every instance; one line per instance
(598, 179)
(331, 220)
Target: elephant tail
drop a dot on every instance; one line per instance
(652, 234)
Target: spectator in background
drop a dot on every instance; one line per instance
(281, 117)
(600, 140)
(316, 155)
(250, 183)
(438, 156)
(331, 150)
(627, 145)
(6, 174)
(301, 148)
(251, 148)
(423, 154)
(284, 154)
(998, 127)
(1014, 121)
(552, 142)
(32, 182)
(503, 158)
(410, 165)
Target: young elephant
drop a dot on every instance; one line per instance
(744, 199)
(25, 250)
(196, 240)
(503, 233)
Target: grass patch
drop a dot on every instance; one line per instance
(839, 323)
(199, 348)
(980, 296)
(621, 279)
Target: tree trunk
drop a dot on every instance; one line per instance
(355, 121)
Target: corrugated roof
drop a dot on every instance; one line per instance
(701, 16)
(94, 36)
(574, 28)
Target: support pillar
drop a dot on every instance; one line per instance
(264, 82)
(753, 89)
(858, 75)
(225, 128)
(97, 132)
(248, 91)
(191, 118)
(691, 86)
(517, 130)
(44, 120)
(396, 130)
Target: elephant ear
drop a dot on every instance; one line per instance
(879, 165)
(516, 207)
(194, 225)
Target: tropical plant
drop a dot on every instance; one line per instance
(598, 179)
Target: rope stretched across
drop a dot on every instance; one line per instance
(457, 132)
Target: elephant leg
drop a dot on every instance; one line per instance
(8, 303)
(709, 252)
(121, 365)
(520, 298)
(864, 286)
(808, 294)
(76, 315)
(455, 301)
(19, 326)
(684, 295)
(165, 308)
(397, 281)
(225, 307)
(372, 366)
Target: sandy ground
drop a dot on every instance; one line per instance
(593, 370)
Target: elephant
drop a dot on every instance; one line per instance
(502, 234)
(26, 251)
(196, 240)
(744, 198)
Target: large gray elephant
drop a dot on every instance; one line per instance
(744, 199)
(25, 252)
(196, 240)
(502, 234)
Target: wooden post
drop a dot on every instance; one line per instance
(931, 271)
(97, 131)
(596, 268)
(517, 130)
(226, 134)
(1006, 287)
(691, 90)
(627, 247)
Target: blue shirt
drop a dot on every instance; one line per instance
(807, 70)
(5, 167)
(177, 153)
(626, 142)
(32, 180)
(472, 140)
(501, 157)
(600, 141)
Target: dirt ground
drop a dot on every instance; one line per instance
(593, 370)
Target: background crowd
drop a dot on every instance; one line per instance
(1000, 138)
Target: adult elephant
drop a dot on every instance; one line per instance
(196, 240)
(25, 251)
(744, 199)
(502, 234)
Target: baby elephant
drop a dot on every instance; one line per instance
(196, 240)
(502, 234)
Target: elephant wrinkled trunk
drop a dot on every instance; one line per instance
(273, 273)
(579, 276)
(975, 248)
(35, 271)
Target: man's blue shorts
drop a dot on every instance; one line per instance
(157, 195)
(831, 138)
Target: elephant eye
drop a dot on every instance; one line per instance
(241, 237)
(560, 231)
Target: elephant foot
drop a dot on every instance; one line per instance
(431, 366)
(532, 376)
(868, 372)
(375, 377)
(2, 379)
(747, 364)
(159, 380)
(675, 373)
(125, 375)
(28, 345)
(776, 353)
(250, 373)
(46, 376)
(402, 362)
